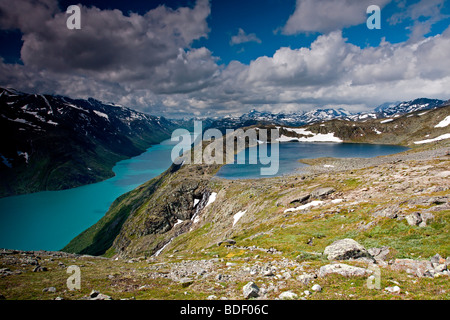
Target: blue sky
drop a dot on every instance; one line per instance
(185, 57)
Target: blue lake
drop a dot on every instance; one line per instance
(49, 220)
(291, 152)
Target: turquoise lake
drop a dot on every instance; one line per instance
(49, 220)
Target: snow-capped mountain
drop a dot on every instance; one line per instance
(54, 142)
(389, 109)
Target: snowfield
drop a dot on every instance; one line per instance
(237, 216)
(441, 137)
(443, 123)
(313, 137)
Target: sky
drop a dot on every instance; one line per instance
(181, 58)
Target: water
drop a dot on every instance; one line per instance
(290, 152)
(49, 220)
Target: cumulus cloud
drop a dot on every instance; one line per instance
(151, 50)
(328, 15)
(148, 62)
(243, 37)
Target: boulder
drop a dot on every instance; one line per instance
(390, 212)
(379, 254)
(316, 288)
(322, 192)
(413, 219)
(342, 269)
(394, 289)
(229, 242)
(346, 249)
(250, 290)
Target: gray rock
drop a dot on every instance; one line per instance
(96, 295)
(425, 216)
(322, 192)
(342, 269)
(316, 288)
(288, 295)
(390, 212)
(49, 289)
(394, 289)
(379, 254)
(250, 290)
(40, 269)
(413, 219)
(229, 242)
(345, 249)
(186, 282)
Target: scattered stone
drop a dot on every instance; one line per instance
(345, 249)
(316, 288)
(342, 269)
(288, 295)
(250, 290)
(212, 297)
(418, 268)
(49, 289)
(306, 278)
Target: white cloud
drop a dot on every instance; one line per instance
(147, 62)
(328, 15)
(243, 37)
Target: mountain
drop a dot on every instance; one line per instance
(253, 117)
(54, 142)
(389, 110)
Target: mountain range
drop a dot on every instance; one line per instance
(54, 142)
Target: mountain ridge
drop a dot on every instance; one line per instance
(56, 142)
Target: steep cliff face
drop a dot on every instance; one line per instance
(145, 219)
